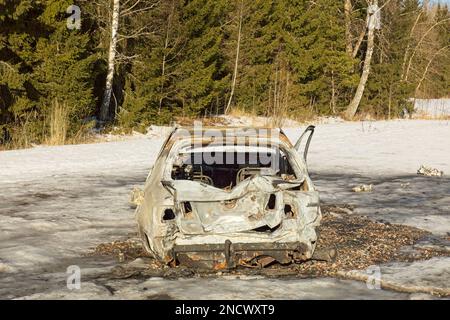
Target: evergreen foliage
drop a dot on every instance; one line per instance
(177, 58)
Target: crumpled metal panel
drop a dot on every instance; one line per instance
(187, 190)
(241, 209)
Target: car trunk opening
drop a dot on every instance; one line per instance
(226, 169)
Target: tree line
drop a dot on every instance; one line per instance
(132, 63)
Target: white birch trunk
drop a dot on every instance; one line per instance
(236, 62)
(164, 60)
(104, 110)
(348, 21)
(354, 104)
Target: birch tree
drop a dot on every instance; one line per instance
(348, 22)
(236, 61)
(418, 46)
(123, 15)
(355, 29)
(373, 23)
(104, 110)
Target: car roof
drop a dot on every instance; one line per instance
(251, 132)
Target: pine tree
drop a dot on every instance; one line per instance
(184, 74)
(204, 77)
(151, 93)
(326, 71)
(64, 64)
(46, 64)
(15, 60)
(294, 59)
(201, 57)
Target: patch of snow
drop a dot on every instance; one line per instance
(434, 276)
(222, 288)
(52, 162)
(57, 203)
(378, 148)
(435, 273)
(434, 108)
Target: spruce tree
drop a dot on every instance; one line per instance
(44, 64)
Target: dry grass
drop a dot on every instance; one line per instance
(245, 119)
(54, 133)
(21, 136)
(206, 121)
(83, 135)
(424, 116)
(273, 121)
(365, 116)
(58, 122)
(257, 121)
(240, 112)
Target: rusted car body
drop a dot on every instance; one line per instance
(221, 197)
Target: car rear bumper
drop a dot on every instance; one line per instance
(229, 255)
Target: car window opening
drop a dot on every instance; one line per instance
(226, 169)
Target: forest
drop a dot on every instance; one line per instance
(68, 66)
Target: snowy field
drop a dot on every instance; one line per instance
(435, 108)
(57, 203)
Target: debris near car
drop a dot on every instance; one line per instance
(217, 198)
(429, 172)
(136, 197)
(362, 242)
(129, 249)
(363, 188)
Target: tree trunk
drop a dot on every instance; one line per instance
(164, 60)
(354, 104)
(427, 68)
(348, 22)
(360, 40)
(104, 111)
(408, 47)
(390, 102)
(422, 39)
(333, 93)
(352, 50)
(236, 62)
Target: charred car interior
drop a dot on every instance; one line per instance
(247, 201)
(226, 174)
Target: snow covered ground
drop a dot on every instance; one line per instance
(434, 108)
(58, 202)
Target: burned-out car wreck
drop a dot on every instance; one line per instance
(222, 197)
